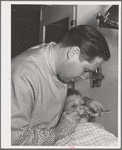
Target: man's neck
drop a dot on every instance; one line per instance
(58, 54)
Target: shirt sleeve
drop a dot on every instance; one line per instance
(22, 103)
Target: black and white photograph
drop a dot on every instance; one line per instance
(61, 74)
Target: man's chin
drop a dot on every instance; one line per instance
(63, 80)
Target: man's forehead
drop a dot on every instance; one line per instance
(95, 63)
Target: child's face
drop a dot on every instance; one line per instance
(73, 103)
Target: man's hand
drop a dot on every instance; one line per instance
(69, 119)
(84, 114)
(96, 106)
(68, 123)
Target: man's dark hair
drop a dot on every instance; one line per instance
(72, 92)
(90, 41)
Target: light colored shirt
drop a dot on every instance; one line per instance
(37, 96)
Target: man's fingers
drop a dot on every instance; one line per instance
(97, 108)
(72, 113)
(82, 111)
(94, 114)
(69, 118)
(73, 116)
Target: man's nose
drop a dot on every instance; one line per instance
(85, 76)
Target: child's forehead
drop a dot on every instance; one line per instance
(74, 97)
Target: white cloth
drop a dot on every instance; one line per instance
(89, 134)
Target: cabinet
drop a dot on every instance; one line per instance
(56, 21)
(25, 28)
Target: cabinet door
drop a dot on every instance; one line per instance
(56, 21)
(24, 28)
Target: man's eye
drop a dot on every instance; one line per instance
(87, 71)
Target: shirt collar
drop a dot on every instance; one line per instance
(49, 59)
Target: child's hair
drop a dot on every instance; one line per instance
(73, 92)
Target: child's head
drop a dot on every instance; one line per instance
(74, 100)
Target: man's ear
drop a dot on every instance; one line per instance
(73, 51)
